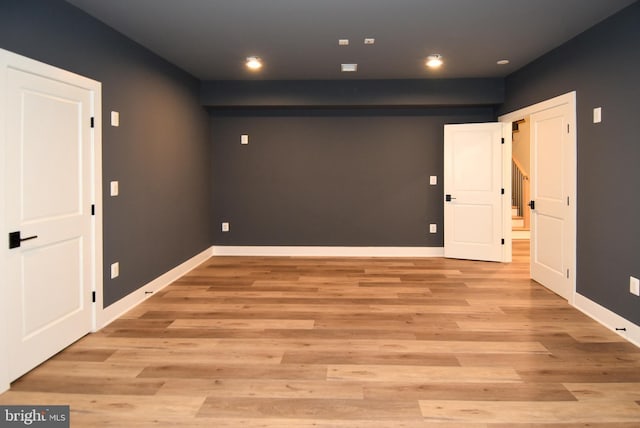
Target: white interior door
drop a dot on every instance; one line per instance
(552, 240)
(474, 208)
(48, 186)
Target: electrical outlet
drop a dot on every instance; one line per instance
(433, 228)
(244, 139)
(115, 270)
(225, 226)
(433, 180)
(634, 286)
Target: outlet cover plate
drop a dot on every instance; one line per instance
(115, 270)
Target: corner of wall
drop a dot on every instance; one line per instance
(105, 316)
(609, 319)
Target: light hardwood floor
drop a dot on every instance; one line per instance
(330, 342)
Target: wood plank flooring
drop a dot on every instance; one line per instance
(340, 342)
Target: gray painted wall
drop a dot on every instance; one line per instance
(602, 65)
(353, 93)
(331, 177)
(160, 154)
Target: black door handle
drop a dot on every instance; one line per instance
(448, 198)
(532, 205)
(15, 239)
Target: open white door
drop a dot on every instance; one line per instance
(476, 188)
(48, 185)
(552, 178)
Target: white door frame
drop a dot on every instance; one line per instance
(570, 100)
(10, 60)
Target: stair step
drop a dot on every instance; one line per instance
(517, 222)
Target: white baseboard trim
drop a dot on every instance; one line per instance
(119, 308)
(609, 319)
(300, 251)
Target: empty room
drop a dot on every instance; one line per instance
(355, 213)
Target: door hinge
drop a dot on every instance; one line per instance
(502, 243)
(567, 273)
(567, 201)
(92, 122)
(502, 141)
(93, 209)
(93, 296)
(567, 128)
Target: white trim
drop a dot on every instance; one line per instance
(117, 309)
(5, 57)
(608, 318)
(96, 200)
(11, 60)
(507, 248)
(300, 251)
(570, 99)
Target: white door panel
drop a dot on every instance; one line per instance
(550, 178)
(48, 189)
(473, 225)
(59, 263)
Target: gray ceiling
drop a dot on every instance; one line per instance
(298, 39)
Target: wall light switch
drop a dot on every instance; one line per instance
(115, 270)
(433, 180)
(114, 188)
(634, 286)
(597, 115)
(433, 228)
(115, 118)
(244, 139)
(225, 226)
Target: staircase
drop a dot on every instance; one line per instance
(520, 214)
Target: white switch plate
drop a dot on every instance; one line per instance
(433, 180)
(115, 270)
(115, 190)
(225, 226)
(115, 118)
(244, 139)
(597, 115)
(634, 286)
(433, 228)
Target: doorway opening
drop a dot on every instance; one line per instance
(553, 177)
(520, 181)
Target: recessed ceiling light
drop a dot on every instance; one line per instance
(349, 67)
(369, 41)
(502, 62)
(254, 63)
(434, 61)
(343, 42)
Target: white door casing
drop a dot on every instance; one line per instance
(50, 181)
(553, 188)
(476, 202)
